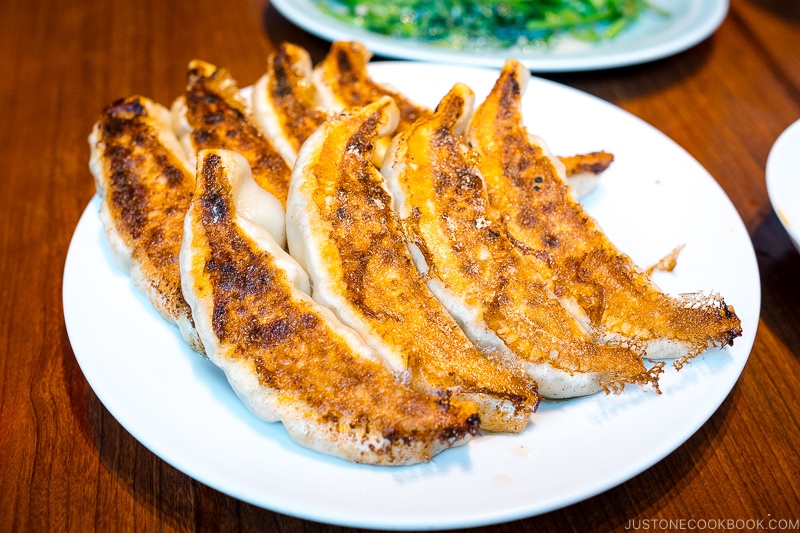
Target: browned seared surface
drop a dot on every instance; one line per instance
(568, 247)
(472, 256)
(592, 162)
(145, 190)
(383, 287)
(219, 119)
(344, 70)
(292, 92)
(329, 396)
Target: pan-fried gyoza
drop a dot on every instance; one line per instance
(488, 285)
(342, 81)
(288, 358)
(343, 230)
(145, 182)
(285, 100)
(601, 285)
(213, 114)
(456, 279)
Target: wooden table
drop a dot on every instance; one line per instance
(67, 465)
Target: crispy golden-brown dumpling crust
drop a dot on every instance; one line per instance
(145, 185)
(602, 285)
(477, 272)
(353, 247)
(287, 357)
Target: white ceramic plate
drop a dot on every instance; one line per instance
(783, 181)
(651, 37)
(181, 407)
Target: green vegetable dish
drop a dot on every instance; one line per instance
(491, 24)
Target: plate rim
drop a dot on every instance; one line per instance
(306, 15)
(778, 160)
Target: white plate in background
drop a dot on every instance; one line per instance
(649, 38)
(783, 180)
(180, 407)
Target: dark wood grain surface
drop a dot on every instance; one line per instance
(67, 465)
